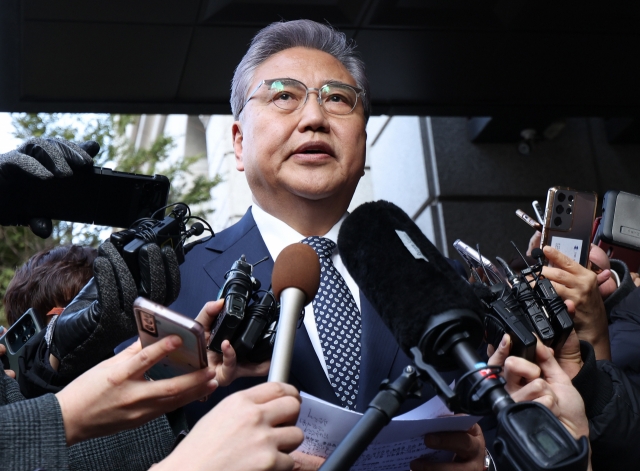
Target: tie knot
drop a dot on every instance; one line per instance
(324, 247)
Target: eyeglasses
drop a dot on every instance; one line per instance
(290, 95)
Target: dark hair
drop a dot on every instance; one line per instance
(51, 278)
(284, 35)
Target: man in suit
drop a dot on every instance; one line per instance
(301, 103)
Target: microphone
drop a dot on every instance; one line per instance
(295, 281)
(196, 230)
(417, 293)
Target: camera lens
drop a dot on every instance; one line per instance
(561, 197)
(570, 198)
(568, 210)
(559, 209)
(557, 221)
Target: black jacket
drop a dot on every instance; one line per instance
(612, 406)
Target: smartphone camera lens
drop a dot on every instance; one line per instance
(570, 198)
(561, 197)
(557, 221)
(559, 209)
(568, 210)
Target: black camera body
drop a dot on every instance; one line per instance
(256, 334)
(247, 321)
(236, 292)
(170, 230)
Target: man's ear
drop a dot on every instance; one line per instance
(236, 132)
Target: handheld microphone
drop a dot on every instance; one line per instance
(295, 281)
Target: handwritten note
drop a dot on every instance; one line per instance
(325, 425)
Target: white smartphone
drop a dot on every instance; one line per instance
(156, 322)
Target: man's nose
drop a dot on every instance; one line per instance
(314, 116)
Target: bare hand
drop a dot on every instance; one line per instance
(534, 242)
(225, 364)
(606, 284)
(304, 462)
(115, 396)
(468, 447)
(549, 385)
(255, 431)
(578, 287)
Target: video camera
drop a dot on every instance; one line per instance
(170, 231)
(248, 321)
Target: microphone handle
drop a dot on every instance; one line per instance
(292, 300)
(497, 398)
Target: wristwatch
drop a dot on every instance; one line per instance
(489, 465)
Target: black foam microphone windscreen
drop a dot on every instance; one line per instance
(404, 276)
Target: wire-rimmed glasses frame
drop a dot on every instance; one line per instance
(330, 90)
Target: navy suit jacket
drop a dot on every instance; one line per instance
(202, 277)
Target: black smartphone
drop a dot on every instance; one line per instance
(16, 336)
(98, 196)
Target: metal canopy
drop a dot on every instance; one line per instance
(424, 57)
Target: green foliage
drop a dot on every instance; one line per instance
(18, 244)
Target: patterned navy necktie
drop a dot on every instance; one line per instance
(338, 322)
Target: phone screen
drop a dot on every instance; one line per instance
(572, 248)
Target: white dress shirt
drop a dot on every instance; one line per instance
(277, 235)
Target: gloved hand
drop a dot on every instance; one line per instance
(101, 316)
(44, 158)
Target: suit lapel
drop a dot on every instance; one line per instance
(381, 350)
(242, 238)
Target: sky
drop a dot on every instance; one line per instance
(7, 141)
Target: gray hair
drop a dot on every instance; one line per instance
(280, 36)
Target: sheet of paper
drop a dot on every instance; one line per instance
(325, 425)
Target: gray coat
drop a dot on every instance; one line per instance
(32, 436)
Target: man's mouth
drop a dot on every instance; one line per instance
(313, 148)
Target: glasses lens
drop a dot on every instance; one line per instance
(287, 94)
(338, 99)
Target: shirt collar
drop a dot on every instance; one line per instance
(277, 234)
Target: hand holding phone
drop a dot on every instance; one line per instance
(568, 220)
(156, 322)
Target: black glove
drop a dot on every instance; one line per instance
(101, 316)
(44, 158)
